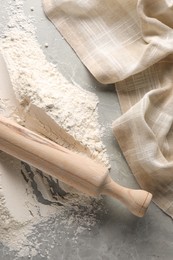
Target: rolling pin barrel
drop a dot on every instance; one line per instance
(73, 169)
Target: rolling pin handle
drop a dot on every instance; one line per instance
(137, 201)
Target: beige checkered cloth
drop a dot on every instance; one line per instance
(130, 43)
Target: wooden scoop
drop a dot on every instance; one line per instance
(73, 169)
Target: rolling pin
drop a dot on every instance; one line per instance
(76, 170)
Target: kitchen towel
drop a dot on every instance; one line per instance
(130, 43)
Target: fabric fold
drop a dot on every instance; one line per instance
(114, 39)
(145, 135)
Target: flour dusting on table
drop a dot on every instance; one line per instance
(59, 110)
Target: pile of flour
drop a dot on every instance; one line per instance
(57, 109)
(38, 83)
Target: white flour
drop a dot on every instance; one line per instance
(38, 82)
(18, 205)
(56, 108)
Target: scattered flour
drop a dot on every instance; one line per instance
(18, 205)
(38, 82)
(61, 111)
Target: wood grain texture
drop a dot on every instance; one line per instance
(74, 169)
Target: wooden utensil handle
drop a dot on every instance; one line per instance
(137, 201)
(74, 169)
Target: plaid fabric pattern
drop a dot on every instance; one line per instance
(130, 43)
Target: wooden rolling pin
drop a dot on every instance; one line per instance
(74, 169)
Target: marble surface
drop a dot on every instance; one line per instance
(117, 234)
